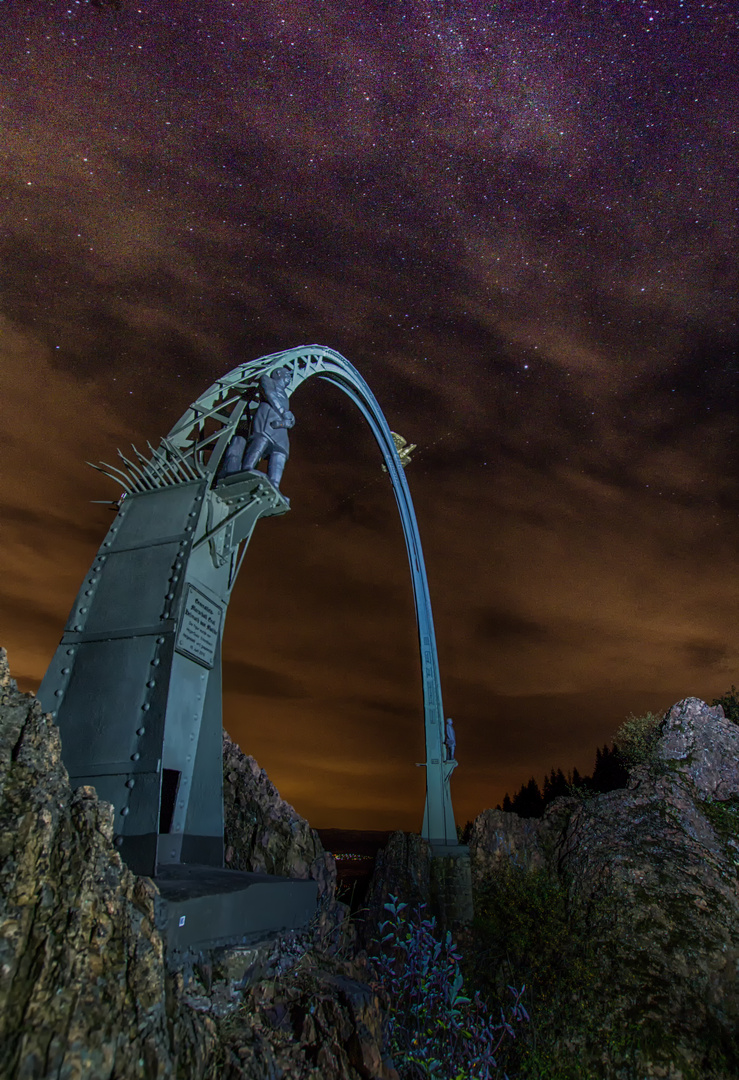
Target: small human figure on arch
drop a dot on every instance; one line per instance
(268, 438)
(450, 739)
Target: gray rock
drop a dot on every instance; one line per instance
(263, 833)
(651, 870)
(85, 992)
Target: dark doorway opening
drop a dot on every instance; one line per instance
(170, 786)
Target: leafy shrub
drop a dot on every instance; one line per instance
(524, 932)
(637, 737)
(435, 1032)
(729, 702)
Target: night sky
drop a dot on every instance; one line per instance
(518, 220)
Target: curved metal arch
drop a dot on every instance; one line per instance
(223, 405)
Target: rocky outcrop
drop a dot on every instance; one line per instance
(321, 1021)
(408, 869)
(650, 872)
(263, 833)
(527, 843)
(85, 990)
(402, 869)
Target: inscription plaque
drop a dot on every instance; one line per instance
(200, 627)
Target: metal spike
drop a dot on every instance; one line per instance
(168, 471)
(119, 478)
(142, 480)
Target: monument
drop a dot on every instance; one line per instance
(135, 684)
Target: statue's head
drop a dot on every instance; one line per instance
(283, 375)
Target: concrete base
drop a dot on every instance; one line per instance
(201, 907)
(451, 884)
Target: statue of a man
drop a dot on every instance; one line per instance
(269, 438)
(450, 739)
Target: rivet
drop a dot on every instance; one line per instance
(66, 670)
(151, 682)
(70, 652)
(165, 615)
(78, 627)
(175, 577)
(160, 641)
(136, 756)
(125, 811)
(130, 783)
(58, 693)
(118, 841)
(141, 731)
(106, 543)
(88, 592)
(146, 706)
(169, 596)
(189, 758)
(193, 513)
(82, 610)
(102, 558)
(188, 528)
(156, 662)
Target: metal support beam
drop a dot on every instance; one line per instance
(135, 684)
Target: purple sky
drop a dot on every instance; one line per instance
(519, 221)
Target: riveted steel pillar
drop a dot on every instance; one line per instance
(135, 685)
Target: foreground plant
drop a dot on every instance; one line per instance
(435, 1032)
(637, 739)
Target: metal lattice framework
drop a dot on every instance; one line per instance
(193, 450)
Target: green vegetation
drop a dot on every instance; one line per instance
(524, 934)
(723, 815)
(434, 1030)
(637, 738)
(729, 702)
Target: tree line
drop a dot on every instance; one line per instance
(531, 800)
(611, 769)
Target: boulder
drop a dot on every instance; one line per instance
(650, 874)
(402, 869)
(264, 834)
(408, 869)
(85, 991)
(527, 843)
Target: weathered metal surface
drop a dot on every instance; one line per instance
(135, 684)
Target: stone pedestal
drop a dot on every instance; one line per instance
(420, 873)
(451, 885)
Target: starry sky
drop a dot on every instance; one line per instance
(518, 220)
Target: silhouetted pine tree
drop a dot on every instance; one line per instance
(609, 773)
(554, 785)
(529, 801)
